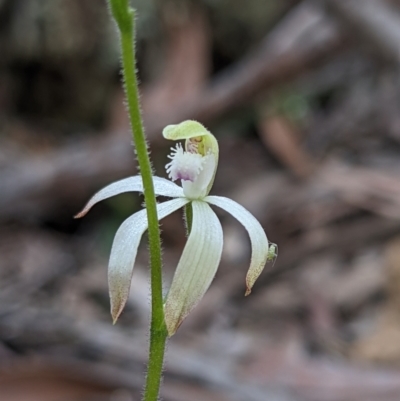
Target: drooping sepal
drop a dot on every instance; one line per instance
(197, 266)
(258, 238)
(124, 250)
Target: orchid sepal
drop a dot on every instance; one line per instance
(258, 238)
(162, 187)
(197, 266)
(124, 250)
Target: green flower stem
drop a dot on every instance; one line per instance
(188, 218)
(125, 18)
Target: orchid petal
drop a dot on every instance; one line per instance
(258, 239)
(197, 266)
(124, 250)
(132, 184)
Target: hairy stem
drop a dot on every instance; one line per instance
(125, 18)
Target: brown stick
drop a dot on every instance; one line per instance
(302, 40)
(374, 21)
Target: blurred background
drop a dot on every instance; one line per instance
(304, 98)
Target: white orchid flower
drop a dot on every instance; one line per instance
(195, 166)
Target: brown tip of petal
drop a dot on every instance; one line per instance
(172, 322)
(116, 312)
(83, 212)
(115, 317)
(249, 286)
(173, 329)
(80, 214)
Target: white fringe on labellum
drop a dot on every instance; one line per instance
(184, 165)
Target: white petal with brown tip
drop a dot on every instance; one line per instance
(124, 250)
(162, 187)
(197, 266)
(258, 239)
